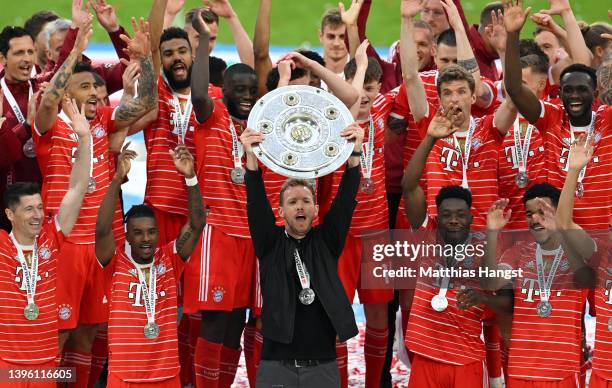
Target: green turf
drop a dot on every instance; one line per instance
(295, 23)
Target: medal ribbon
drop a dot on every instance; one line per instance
(30, 274)
(522, 149)
(12, 102)
(181, 118)
(367, 154)
(546, 284)
(588, 139)
(301, 270)
(237, 147)
(465, 153)
(148, 291)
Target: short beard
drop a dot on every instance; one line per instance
(178, 84)
(233, 111)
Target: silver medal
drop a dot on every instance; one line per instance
(237, 175)
(544, 309)
(439, 303)
(521, 179)
(307, 296)
(91, 185)
(610, 324)
(29, 149)
(151, 330)
(367, 186)
(579, 190)
(31, 311)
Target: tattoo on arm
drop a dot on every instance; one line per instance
(131, 108)
(60, 79)
(471, 65)
(197, 216)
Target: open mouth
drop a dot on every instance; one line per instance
(25, 68)
(146, 249)
(300, 217)
(245, 105)
(537, 228)
(576, 106)
(179, 69)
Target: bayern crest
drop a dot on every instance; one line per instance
(98, 131)
(218, 293)
(64, 311)
(44, 253)
(160, 269)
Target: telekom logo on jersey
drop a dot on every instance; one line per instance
(21, 279)
(135, 293)
(450, 158)
(530, 288)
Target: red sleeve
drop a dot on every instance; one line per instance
(118, 43)
(488, 123)
(52, 229)
(423, 124)
(401, 109)
(549, 115)
(111, 73)
(466, 25)
(108, 118)
(178, 265)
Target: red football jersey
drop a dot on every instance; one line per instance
(445, 167)
(371, 212)
(23, 341)
(591, 211)
(544, 348)
(602, 356)
(132, 356)
(452, 336)
(225, 200)
(166, 189)
(62, 141)
(508, 170)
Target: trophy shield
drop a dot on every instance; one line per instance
(302, 126)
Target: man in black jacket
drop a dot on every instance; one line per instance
(305, 306)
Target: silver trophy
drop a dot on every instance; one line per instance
(302, 125)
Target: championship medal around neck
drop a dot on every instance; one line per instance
(439, 303)
(544, 309)
(521, 179)
(151, 330)
(91, 185)
(367, 186)
(237, 175)
(579, 190)
(31, 311)
(307, 296)
(610, 324)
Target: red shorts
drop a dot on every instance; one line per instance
(349, 271)
(568, 382)
(219, 274)
(597, 381)
(80, 286)
(115, 382)
(428, 373)
(257, 300)
(168, 225)
(6, 367)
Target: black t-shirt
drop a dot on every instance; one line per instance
(314, 337)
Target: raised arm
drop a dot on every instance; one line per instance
(505, 116)
(191, 231)
(465, 55)
(105, 13)
(525, 101)
(349, 17)
(339, 87)
(170, 11)
(47, 110)
(578, 49)
(202, 103)
(576, 240)
(79, 176)
(139, 48)
(105, 239)
(261, 45)
(415, 90)
(244, 46)
(497, 218)
(361, 60)
(156, 26)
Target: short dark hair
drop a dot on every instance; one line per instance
(235, 69)
(331, 18)
(37, 21)
(542, 190)
(209, 16)
(455, 73)
(373, 72)
(580, 68)
(99, 81)
(83, 67)
(592, 34)
(13, 193)
(454, 191)
(216, 67)
(139, 211)
(312, 55)
(529, 47)
(274, 77)
(535, 63)
(485, 14)
(174, 33)
(292, 182)
(8, 33)
(447, 37)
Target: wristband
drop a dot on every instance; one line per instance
(191, 181)
(356, 153)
